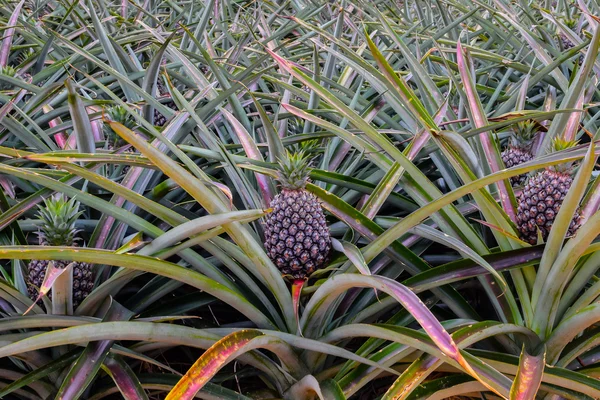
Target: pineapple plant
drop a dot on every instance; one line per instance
(519, 150)
(542, 197)
(297, 238)
(58, 218)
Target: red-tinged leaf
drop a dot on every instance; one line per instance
(9, 33)
(217, 356)
(296, 293)
(502, 231)
(52, 274)
(529, 375)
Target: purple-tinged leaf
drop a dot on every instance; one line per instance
(90, 361)
(217, 356)
(9, 33)
(591, 202)
(329, 291)
(129, 385)
(572, 126)
(354, 255)
(479, 120)
(529, 375)
(252, 152)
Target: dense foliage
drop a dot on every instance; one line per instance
(149, 148)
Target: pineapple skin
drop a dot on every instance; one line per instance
(159, 118)
(83, 279)
(538, 205)
(515, 155)
(297, 238)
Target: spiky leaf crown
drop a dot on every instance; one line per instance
(293, 171)
(58, 221)
(8, 71)
(117, 114)
(570, 23)
(524, 132)
(559, 144)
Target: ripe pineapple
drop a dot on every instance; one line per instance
(296, 234)
(58, 229)
(542, 197)
(519, 151)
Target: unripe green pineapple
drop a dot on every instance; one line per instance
(541, 199)
(58, 218)
(297, 238)
(519, 150)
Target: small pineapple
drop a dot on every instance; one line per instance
(58, 218)
(159, 118)
(297, 238)
(519, 151)
(565, 42)
(542, 197)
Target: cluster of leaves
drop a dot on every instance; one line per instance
(404, 106)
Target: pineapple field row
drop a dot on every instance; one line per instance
(299, 199)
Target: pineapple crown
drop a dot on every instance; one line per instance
(58, 218)
(524, 132)
(294, 169)
(117, 114)
(570, 22)
(559, 144)
(8, 71)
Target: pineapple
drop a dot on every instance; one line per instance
(542, 197)
(519, 151)
(159, 118)
(565, 42)
(58, 218)
(297, 238)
